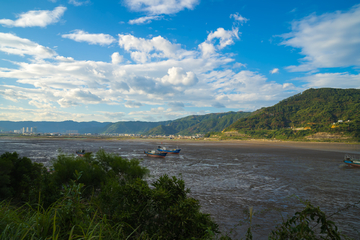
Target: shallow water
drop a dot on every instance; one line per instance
(228, 178)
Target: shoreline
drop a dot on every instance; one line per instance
(352, 147)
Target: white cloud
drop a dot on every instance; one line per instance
(116, 58)
(207, 49)
(11, 113)
(159, 114)
(78, 3)
(333, 80)
(239, 18)
(327, 41)
(275, 70)
(157, 7)
(12, 44)
(81, 36)
(226, 37)
(144, 20)
(177, 76)
(142, 50)
(38, 18)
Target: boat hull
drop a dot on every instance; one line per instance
(351, 163)
(177, 151)
(169, 151)
(157, 155)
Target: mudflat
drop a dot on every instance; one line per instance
(228, 177)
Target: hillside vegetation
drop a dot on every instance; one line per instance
(198, 124)
(325, 113)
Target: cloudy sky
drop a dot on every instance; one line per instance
(155, 60)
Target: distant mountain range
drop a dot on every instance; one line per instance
(184, 126)
(304, 115)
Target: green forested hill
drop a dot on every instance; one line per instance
(161, 130)
(198, 124)
(314, 110)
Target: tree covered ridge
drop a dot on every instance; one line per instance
(314, 109)
(198, 124)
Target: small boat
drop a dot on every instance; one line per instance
(154, 153)
(82, 153)
(352, 161)
(170, 151)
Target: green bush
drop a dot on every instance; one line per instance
(21, 179)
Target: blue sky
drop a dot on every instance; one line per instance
(156, 60)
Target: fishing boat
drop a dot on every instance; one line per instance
(352, 161)
(170, 151)
(154, 153)
(82, 153)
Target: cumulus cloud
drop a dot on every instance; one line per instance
(275, 70)
(81, 36)
(11, 113)
(116, 58)
(12, 44)
(225, 37)
(177, 76)
(333, 80)
(76, 97)
(142, 50)
(239, 18)
(37, 18)
(144, 20)
(158, 7)
(207, 49)
(327, 41)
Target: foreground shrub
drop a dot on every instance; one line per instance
(104, 196)
(20, 178)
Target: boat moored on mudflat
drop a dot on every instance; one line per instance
(169, 151)
(82, 153)
(352, 161)
(154, 153)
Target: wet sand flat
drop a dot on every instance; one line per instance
(229, 177)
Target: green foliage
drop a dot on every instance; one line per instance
(20, 178)
(198, 124)
(310, 223)
(102, 196)
(317, 109)
(164, 211)
(162, 130)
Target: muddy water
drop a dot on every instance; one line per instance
(228, 178)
